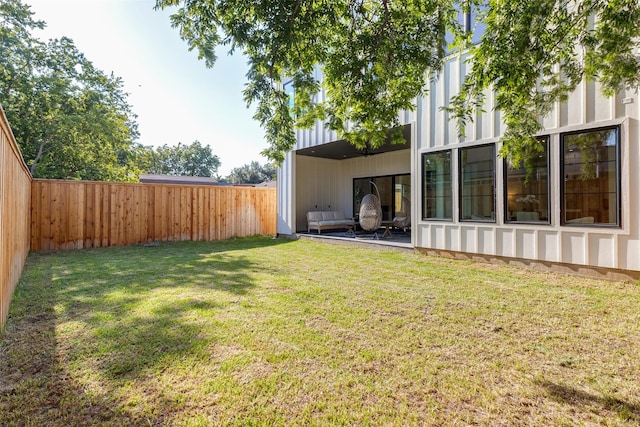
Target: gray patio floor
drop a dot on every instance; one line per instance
(398, 239)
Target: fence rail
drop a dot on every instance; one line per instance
(15, 195)
(81, 214)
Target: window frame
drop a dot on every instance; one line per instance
(505, 186)
(423, 184)
(618, 178)
(461, 182)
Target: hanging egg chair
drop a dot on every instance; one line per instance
(371, 212)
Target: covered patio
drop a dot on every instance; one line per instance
(335, 176)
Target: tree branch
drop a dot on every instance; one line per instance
(276, 50)
(38, 157)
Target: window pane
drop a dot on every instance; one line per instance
(385, 187)
(361, 187)
(402, 198)
(528, 193)
(477, 26)
(590, 189)
(477, 183)
(436, 185)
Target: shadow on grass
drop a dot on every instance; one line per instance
(572, 396)
(115, 316)
(35, 389)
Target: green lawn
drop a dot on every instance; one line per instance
(275, 332)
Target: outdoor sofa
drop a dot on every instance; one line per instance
(328, 220)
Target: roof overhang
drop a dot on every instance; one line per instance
(343, 149)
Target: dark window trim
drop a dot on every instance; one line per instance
(460, 183)
(547, 140)
(618, 223)
(422, 186)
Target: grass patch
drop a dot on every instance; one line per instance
(276, 332)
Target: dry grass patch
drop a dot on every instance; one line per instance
(276, 332)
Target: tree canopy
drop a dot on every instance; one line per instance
(186, 160)
(252, 173)
(377, 56)
(71, 120)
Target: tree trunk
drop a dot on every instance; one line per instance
(38, 157)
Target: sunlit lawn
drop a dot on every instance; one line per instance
(277, 332)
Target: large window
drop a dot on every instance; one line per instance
(477, 183)
(591, 185)
(527, 189)
(436, 185)
(395, 194)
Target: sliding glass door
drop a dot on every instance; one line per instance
(395, 193)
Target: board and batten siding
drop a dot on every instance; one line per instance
(586, 108)
(306, 181)
(15, 196)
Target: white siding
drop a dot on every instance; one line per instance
(307, 183)
(593, 246)
(286, 195)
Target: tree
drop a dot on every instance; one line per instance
(252, 173)
(70, 119)
(377, 56)
(535, 53)
(182, 159)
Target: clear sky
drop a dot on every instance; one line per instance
(176, 98)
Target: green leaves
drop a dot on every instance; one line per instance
(70, 120)
(612, 57)
(183, 160)
(534, 54)
(355, 64)
(252, 173)
(369, 58)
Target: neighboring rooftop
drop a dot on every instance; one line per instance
(172, 179)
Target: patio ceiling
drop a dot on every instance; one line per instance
(340, 150)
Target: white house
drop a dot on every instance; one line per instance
(581, 212)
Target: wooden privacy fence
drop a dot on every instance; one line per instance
(15, 195)
(46, 215)
(81, 214)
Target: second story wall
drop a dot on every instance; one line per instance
(435, 127)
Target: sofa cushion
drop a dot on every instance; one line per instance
(314, 216)
(328, 215)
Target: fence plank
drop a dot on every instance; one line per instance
(36, 232)
(148, 214)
